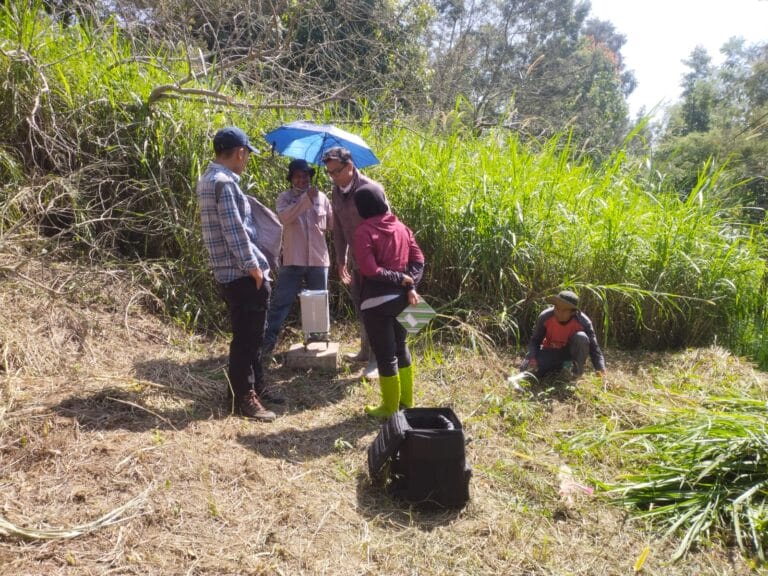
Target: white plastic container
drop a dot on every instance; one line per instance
(315, 315)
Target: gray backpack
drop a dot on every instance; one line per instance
(270, 232)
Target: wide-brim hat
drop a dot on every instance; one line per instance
(300, 165)
(565, 298)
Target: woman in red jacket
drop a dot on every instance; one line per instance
(391, 265)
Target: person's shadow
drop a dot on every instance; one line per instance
(301, 445)
(298, 446)
(170, 395)
(310, 388)
(163, 395)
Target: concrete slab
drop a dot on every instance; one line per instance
(321, 355)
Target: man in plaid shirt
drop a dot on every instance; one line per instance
(240, 267)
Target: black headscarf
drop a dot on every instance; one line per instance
(370, 200)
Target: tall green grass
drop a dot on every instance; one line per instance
(503, 223)
(105, 175)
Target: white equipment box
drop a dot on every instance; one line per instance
(315, 316)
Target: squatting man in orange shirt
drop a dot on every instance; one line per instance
(563, 333)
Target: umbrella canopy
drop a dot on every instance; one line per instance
(309, 142)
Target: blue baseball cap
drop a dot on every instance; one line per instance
(231, 137)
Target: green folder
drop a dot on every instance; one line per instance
(414, 318)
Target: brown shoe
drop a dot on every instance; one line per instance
(250, 407)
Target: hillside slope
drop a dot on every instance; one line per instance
(105, 405)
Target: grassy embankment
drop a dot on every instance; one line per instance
(109, 177)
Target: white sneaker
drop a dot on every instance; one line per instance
(515, 381)
(371, 370)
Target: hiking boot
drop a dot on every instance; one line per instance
(249, 406)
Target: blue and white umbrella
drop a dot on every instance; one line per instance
(309, 142)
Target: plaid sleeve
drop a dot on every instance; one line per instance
(235, 230)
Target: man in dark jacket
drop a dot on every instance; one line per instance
(563, 333)
(346, 181)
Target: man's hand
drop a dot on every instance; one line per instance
(258, 276)
(344, 274)
(407, 280)
(312, 192)
(604, 379)
(413, 298)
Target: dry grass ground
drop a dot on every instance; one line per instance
(104, 405)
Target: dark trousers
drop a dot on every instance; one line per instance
(247, 312)
(387, 336)
(576, 351)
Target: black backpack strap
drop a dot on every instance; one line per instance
(387, 443)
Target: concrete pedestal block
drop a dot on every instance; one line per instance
(321, 355)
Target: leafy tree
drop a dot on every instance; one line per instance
(604, 34)
(367, 48)
(698, 92)
(536, 66)
(583, 89)
(756, 83)
(731, 83)
(721, 121)
(483, 50)
(296, 53)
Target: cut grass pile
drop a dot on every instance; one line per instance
(701, 471)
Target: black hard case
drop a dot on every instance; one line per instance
(419, 456)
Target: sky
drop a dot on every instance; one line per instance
(662, 33)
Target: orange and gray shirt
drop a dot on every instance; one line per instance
(550, 334)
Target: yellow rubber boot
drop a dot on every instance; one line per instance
(390, 395)
(406, 386)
